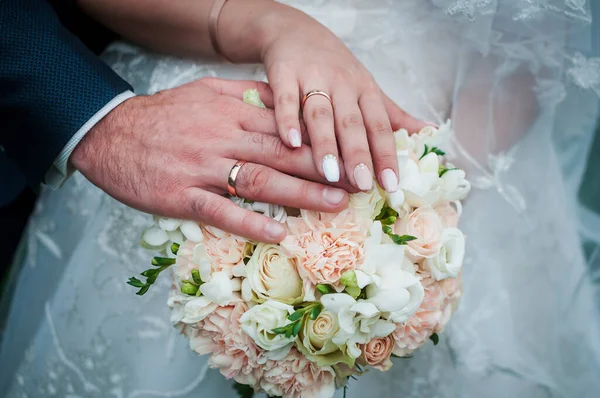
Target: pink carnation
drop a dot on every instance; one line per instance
(326, 245)
(233, 351)
(225, 250)
(297, 377)
(415, 332)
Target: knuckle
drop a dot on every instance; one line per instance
(358, 155)
(289, 119)
(253, 180)
(387, 158)
(380, 128)
(287, 99)
(227, 106)
(352, 120)
(279, 150)
(321, 112)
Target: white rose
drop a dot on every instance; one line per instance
(259, 321)
(448, 262)
(273, 275)
(219, 288)
(367, 204)
(453, 185)
(359, 322)
(197, 309)
(419, 180)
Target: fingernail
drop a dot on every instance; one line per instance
(295, 138)
(274, 230)
(363, 177)
(432, 124)
(389, 180)
(333, 196)
(331, 169)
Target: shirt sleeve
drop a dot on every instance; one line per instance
(60, 169)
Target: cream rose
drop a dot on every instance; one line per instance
(377, 352)
(448, 262)
(425, 225)
(259, 321)
(315, 341)
(273, 275)
(367, 204)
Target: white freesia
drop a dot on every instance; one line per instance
(419, 180)
(391, 288)
(275, 212)
(167, 224)
(202, 260)
(359, 321)
(191, 230)
(197, 309)
(259, 321)
(367, 204)
(454, 185)
(448, 262)
(155, 237)
(219, 288)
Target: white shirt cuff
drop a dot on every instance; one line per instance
(60, 170)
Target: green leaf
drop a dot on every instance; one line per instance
(150, 272)
(243, 390)
(297, 327)
(296, 315)
(437, 151)
(196, 277)
(135, 282)
(314, 313)
(162, 261)
(281, 330)
(386, 212)
(143, 290)
(402, 240)
(325, 289)
(444, 170)
(175, 248)
(435, 338)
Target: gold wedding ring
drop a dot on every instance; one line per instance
(314, 92)
(232, 176)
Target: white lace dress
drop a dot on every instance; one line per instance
(528, 324)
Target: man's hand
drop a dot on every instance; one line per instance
(170, 154)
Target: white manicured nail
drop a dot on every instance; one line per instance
(295, 138)
(389, 180)
(331, 169)
(363, 177)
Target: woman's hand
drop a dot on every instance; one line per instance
(170, 154)
(304, 56)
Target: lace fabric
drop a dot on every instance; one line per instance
(522, 92)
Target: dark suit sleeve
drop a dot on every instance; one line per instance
(50, 85)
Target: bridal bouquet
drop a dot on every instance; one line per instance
(342, 293)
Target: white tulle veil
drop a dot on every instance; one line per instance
(520, 84)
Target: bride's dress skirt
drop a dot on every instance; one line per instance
(528, 324)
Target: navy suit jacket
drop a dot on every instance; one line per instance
(50, 85)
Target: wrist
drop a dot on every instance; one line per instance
(263, 22)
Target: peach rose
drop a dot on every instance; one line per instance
(233, 352)
(448, 215)
(297, 377)
(325, 245)
(377, 352)
(225, 250)
(415, 332)
(424, 224)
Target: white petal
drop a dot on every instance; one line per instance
(191, 230)
(365, 308)
(336, 302)
(239, 270)
(382, 328)
(246, 290)
(197, 309)
(175, 236)
(363, 279)
(169, 224)
(155, 237)
(219, 289)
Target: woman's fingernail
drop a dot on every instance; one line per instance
(331, 169)
(389, 180)
(363, 177)
(333, 196)
(275, 230)
(295, 138)
(432, 124)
